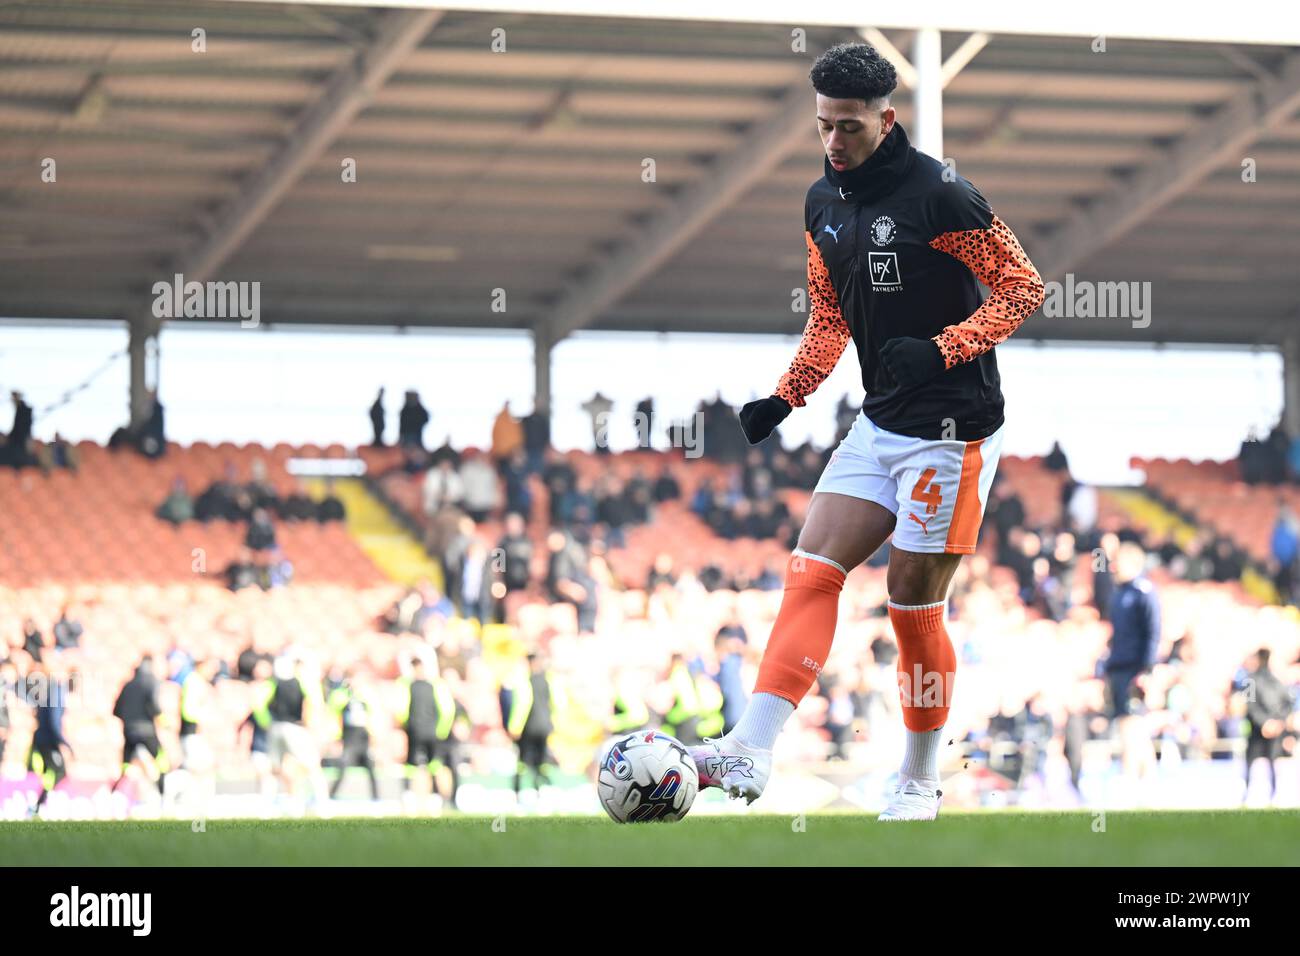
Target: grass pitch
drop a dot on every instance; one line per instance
(1000, 838)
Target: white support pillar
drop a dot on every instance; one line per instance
(142, 353)
(927, 60)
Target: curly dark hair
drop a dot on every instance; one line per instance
(853, 71)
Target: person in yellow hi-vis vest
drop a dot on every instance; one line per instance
(350, 703)
(286, 711)
(683, 716)
(427, 712)
(527, 706)
(630, 711)
(708, 694)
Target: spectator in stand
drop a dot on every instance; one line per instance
(643, 422)
(16, 452)
(514, 474)
(666, 487)
(702, 500)
(1056, 460)
(661, 573)
(516, 551)
(1194, 564)
(507, 434)
(1264, 462)
(452, 557)
(713, 578)
(567, 580)
(476, 577)
(67, 631)
(330, 508)
(225, 499)
(261, 532)
(1135, 623)
(639, 495)
(598, 407)
(177, 507)
(443, 488)
(537, 439)
(276, 573)
(445, 452)
(729, 647)
(260, 490)
(756, 479)
(841, 715)
(482, 487)
(1284, 545)
(1005, 512)
(1103, 573)
(152, 439)
(769, 578)
(1031, 547)
(1268, 705)
(415, 460)
(33, 641)
(1081, 507)
(249, 658)
(723, 440)
(1046, 594)
(377, 420)
(560, 480)
(241, 572)
(1228, 561)
(297, 506)
(411, 421)
(612, 508)
(404, 616)
(58, 454)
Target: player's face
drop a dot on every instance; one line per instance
(851, 130)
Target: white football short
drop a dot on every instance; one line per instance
(936, 488)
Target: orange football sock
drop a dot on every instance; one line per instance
(927, 664)
(805, 626)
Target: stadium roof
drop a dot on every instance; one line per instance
(522, 170)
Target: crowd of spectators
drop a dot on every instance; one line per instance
(1274, 461)
(255, 501)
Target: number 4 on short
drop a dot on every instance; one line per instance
(930, 494)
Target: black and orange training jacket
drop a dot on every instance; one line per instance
(898, 248)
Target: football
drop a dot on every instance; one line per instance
(646, 776)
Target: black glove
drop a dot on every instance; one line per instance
(759, 417)
(912, 361)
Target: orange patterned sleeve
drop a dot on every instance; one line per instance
(824, 336)
(995, 256)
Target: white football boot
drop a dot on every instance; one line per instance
(727, 763)
(913, 800)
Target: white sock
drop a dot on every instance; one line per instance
(761, 723)
(921, 756)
